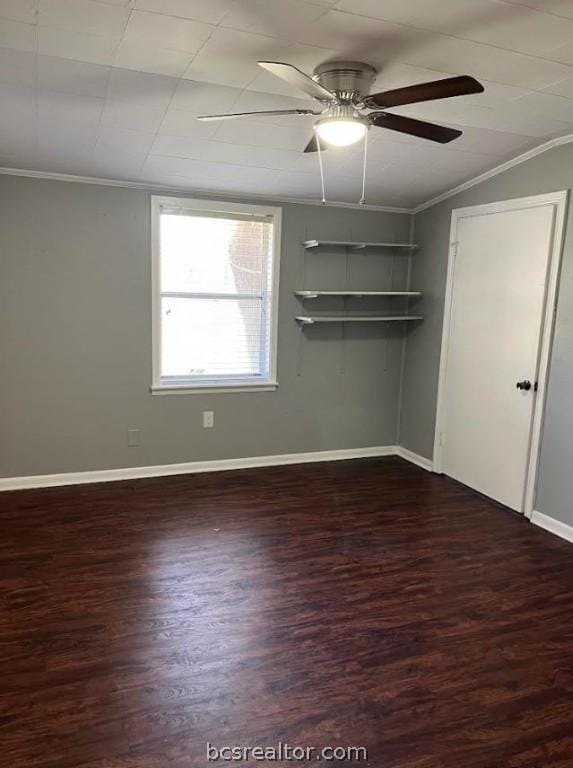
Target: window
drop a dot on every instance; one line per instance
(215, 292)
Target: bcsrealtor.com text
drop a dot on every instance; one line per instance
(283, 752)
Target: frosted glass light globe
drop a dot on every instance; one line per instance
(341, 132)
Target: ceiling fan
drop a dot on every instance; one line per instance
(343, 88)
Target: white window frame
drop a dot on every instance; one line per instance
(159, 387)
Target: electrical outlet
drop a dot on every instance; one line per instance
(133, 438)
(208, 419)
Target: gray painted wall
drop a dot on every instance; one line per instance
(548, 172)
(75, 340)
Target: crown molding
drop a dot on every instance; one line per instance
(518, 160)
(161, 188)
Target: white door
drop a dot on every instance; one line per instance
(498, 290)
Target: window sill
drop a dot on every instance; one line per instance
(207, 389)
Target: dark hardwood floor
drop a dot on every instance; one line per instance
(353, 603)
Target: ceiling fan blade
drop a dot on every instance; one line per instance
(421, 128)
(312, 145)
(298, 79)
(267, 113)
(437, 89)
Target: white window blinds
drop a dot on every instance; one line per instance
(216, 294)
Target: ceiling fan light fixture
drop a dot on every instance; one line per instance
(341, 131)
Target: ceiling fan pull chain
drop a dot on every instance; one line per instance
(363, 198)
(321, 168)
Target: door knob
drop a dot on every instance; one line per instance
(525, 385)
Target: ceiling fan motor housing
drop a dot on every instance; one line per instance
(351, 81)
(344, 111)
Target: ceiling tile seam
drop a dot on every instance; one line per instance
(176, 16)
(143, 41)
(148, 154)
(120, 37)
(128, 4)
(290, 42)
(37, 83)
(182, 18)
(535, 9)
(107, 86)
(151, 12)
(240, 146)
(222, 163)
(115, 37)
(457, 37)
(160, 124)
(225, 163)
(183, 79)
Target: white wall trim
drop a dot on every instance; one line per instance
(554, 526)
(559, 202)
(216, 465)
(187, 191)
(184, 190)
(191, 467)
(523, 158)
(415, 458)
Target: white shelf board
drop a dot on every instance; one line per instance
(306, 320)
(358, 245)
(357, 294)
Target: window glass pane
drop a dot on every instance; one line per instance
(202, 254)
(212, 337)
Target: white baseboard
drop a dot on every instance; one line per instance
(554, 526)
(217, 465)
(415, 458)
(191, 467)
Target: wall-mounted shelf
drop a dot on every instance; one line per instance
(394, 260)
(354, 294)
(305, 320)
(356, 245)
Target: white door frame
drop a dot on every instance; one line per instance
(558, 200)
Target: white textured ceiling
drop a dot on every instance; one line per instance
(111, 88)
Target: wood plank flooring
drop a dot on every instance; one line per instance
(360, 603)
